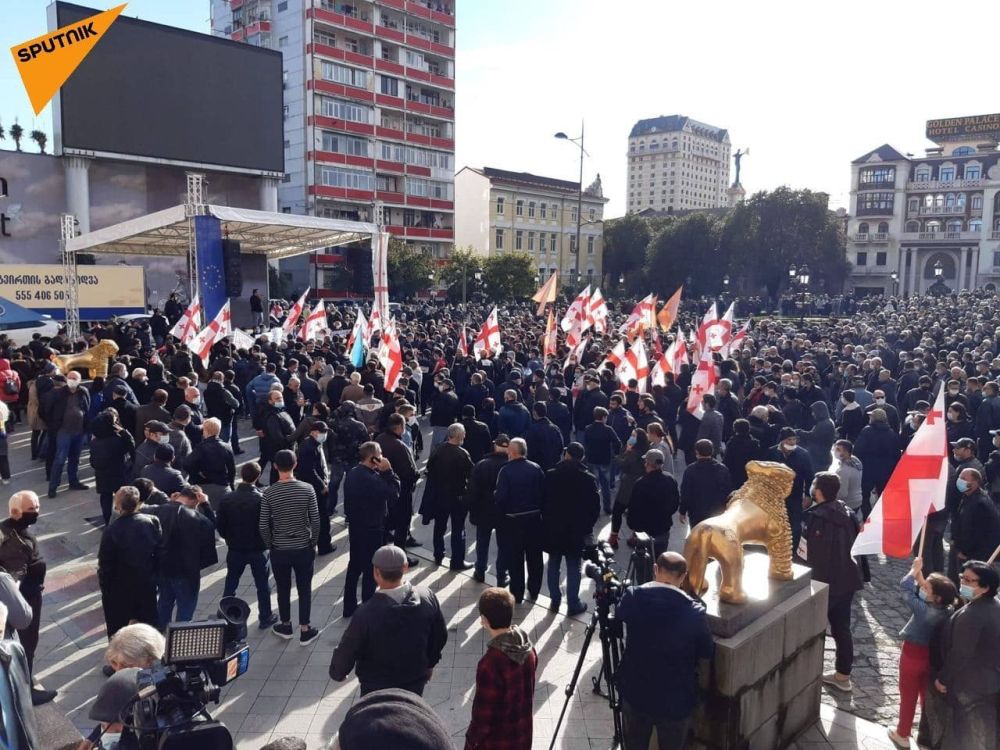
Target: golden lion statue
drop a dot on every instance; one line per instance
(94, 360)
(755, 513)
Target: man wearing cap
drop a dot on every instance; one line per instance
(795, 457)
(655, 498)
(146, 413)
(311, 468)
(395, 638)
(112, 699)
(584, 405)
(166, 478)
(571, 506)
(369, 489)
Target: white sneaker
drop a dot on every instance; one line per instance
(4, 481)
(897, 740)
(830, 678)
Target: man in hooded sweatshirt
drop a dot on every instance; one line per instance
(505, 680)
(818, 441)
(396, 637)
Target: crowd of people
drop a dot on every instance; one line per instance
(536, 450)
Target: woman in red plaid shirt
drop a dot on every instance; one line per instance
(505, 680)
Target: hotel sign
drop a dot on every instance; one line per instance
(959, 128)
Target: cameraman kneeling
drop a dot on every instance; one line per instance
(666, 635)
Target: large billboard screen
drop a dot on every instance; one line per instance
(157, 92)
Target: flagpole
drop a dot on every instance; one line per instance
(994, 556)
(923, 535)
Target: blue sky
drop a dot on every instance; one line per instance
(807, 86)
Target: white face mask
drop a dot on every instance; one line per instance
(72, 384)
(321, 438)
(880, 401)
(164, 439)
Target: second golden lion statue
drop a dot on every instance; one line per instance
(94, 360)
(755, 513)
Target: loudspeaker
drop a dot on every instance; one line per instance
(232, 265)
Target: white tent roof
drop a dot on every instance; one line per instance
(274, 235)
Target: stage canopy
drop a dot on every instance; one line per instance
(273, 235)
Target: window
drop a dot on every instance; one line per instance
(429, 188)
(531, 242)
(541, 209)
(286, 209)
(863, 227)
(572, 215)
(389, 86)
(342, 110)
(923, 174)
(880, 259)
(972, 173)
(346, 178)
(499, 239)
(286, 177)
(947, 174)
(975, 225)
(531, 209)
(590, 245)
(913, 205)
(955, 225)
(996, 258)
(282, 41)
(572, 243)
(500, 205)
(877, 176)
(519, 208)
(345, 75)
(541, 242)
(519, 240)
(391, 151)
(883, 227)
(409, 217)
(913, 226)
(339, 143)
(555, 211)
(875, 203)
(591, 214)
(283, 6)
(977, 203)
(963, 151)
(555, 242)
(862, 259)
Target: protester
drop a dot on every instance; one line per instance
(520, 485)
(396, 637)
(483, 514)
(448, 471)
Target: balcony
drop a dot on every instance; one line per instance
(942, 236)
(940, 210)
(877, 185)
(422, 10)
(871, 237)
(359, 21)
(387, 66)
(943, 185)
(339, 89)
(328, 50)
(875, 211)
(333, 157)
(324, 191)
(434, 110)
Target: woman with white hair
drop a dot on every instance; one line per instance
(136, 645)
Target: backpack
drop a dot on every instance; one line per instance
(10, 387)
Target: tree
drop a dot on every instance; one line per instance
(772, 231)
(509, 276)
(3, 133)
(687, 248)
(39, 137)
(462, 262)
(410, 270)
(625, 243)
(16, 133)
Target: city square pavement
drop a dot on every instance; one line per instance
(287, 690)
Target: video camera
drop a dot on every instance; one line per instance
(169, 712)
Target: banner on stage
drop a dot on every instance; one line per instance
(104, 291)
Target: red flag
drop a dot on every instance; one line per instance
(315, 323)
(597, 311)
(642, 317)
(635, 365)
(615, 356)
(186, 327)
(463, 344)
(918, 486)
(487, 343)
(219, 328)
(577, 312)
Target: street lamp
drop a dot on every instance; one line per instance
(579, 196)
(895, 281)
(725, 283)
(804, 276)
(938, 269)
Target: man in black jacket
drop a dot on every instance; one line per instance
(705, 486)
(311, 468)
(560, 414)
(276, 430)
(238, 523)
(166, 478)
(477, 434)
(448, 471)
(445, 410)
(795, 457)
(66, 419)
(397, 636)
(482, 508)
(545, 443)
(188, 523)
(601, 444)
(347, 435)
(221, 404)
(369, 489)
(154, 410)
(570, 508)
(127, 411)
(586, 402)
(401, 459)
(654, 500)
(975, 525)
(211, 463)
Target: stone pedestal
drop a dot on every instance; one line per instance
(763, 689)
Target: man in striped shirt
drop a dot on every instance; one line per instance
(289, 526)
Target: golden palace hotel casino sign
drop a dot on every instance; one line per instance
(986, 127)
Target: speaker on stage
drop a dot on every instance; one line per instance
(232, 265)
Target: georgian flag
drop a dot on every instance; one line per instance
(576, 315)
(463, 343)
(635, 365)
(576, 351)
(597, 311)
(642, 317)
(391, 358)
(736, 343)
(219, 328)
(677, 353)
(615, 356)
(295, 312)
(487, 343)
(918, 486)
(186, 327)
(703, 382)
(315, 324)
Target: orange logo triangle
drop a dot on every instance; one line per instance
(46, 61)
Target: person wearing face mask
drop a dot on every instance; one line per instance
(993, 469)
(970, 674)
(959, 425)
(66, 419)
(828, 530)
(156, 434)
(276, 430)
(891, 412)
(791, 454)
(21, 557)
(311, 467)
(930, 603)
(161, 472)
(975, 524)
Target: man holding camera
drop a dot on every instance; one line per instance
(667, 636)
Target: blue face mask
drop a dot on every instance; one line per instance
(279, 404)
(632, 440)
(922, 595)
(966, 591)
(961, 484)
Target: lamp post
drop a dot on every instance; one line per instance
(579, 197)
(895, 281)
(938, 270)
(803, 276)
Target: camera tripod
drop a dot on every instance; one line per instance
(611, 650)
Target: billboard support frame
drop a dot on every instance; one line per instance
(194, 205)
(68, 224)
